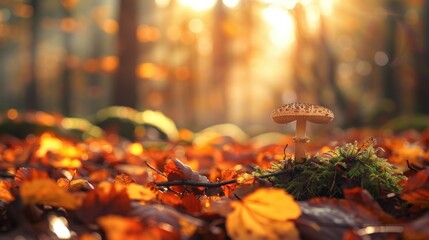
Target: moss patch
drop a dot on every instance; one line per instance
(344, 167)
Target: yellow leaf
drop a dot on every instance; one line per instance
(118, 227)
(264, 214)
(46, 191)
(5, 194)
(139, 192)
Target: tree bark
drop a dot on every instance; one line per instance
(31, 98)
(125, 86)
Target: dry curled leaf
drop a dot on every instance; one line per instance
(74, 185)
(46, 191)
(264, 214)
(176, 169)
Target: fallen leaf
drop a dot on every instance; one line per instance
(416, 189)
(170, 198)
(362, 196)
(46, 191)
(74, 185)
(123, 179)
(140, 193)
(225, 176)
(191, 203)
(28, 174)
(181, 171)
(264, 214)
(5, 194)
(118, 227)
(417, 229)
(107, 199)
(330, 218)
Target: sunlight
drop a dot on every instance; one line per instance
(326, 6)
(231, 3)
(58, 225)
(282, 33)
(198, 5)
(312, 14)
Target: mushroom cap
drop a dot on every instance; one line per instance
(310, 112)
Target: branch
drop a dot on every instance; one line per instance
(213, 185)
(6, 175)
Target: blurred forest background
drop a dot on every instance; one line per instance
(215, 61)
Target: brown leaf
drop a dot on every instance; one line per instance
(123, 179)
(416, 189)
(118, 227)
(28, 174)
(74, 185)
(191, 203)
(329, 218)
(417, 229)
(225, 176)
(170, 198)
(178, 170)
(363, 197)
(107, 199)
(161, 221)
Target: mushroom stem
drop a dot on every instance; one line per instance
(300, 140)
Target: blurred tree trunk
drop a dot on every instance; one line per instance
(67, 72)
(125, 86)
(390, 86)
(31, 99)
(422, 61)
(220, 65)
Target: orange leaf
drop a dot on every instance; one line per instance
(28, 174)
(123, 179)
(74, 185)
(140, 193)
(5, 194)
(191, 203)
(170, 198)
(264, 214)
(107, 199)
(46, 191)
(225, 176)
(416, 189)
(117, 227)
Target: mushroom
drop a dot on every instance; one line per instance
(301, 112)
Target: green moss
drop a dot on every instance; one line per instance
(345, 167)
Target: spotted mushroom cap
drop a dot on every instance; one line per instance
(310, 112)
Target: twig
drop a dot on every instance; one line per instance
(154, 169)
(411, 167)
(212, 185)
(284, 152)
(6, 175)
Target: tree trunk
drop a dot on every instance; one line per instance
(422, 61)
(125, 86)
(31, 100)
(390, 86)
(66, 74)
